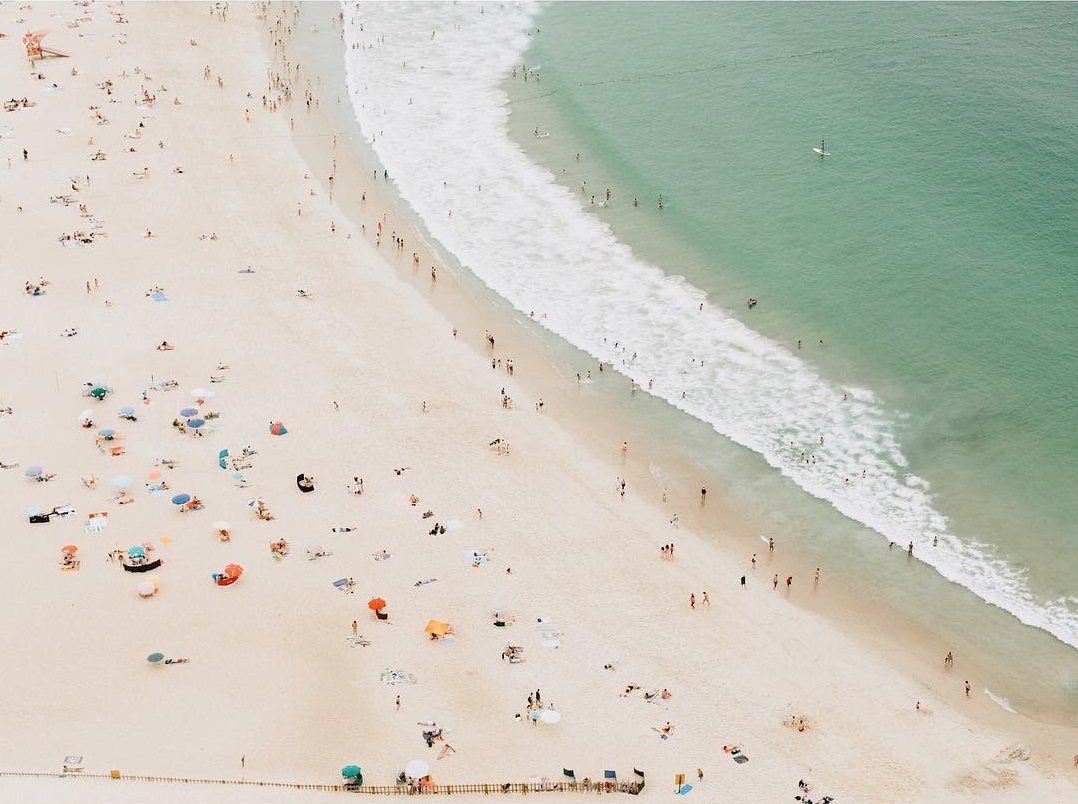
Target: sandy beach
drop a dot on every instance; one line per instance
(280, 305)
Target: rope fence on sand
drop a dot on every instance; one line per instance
(603, 786)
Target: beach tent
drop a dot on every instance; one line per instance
(436, 628)
(278, 429)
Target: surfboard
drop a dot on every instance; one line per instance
(821, 153)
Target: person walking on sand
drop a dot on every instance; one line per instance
(967, 689)
(948, 661)
(398, 704)
(703, 495)
(789, 582)
(771, 544)
(355, 628)
(775, 581)
(692, 600)
(705, 600)
(816, 577)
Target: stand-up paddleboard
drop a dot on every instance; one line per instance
(822, 150)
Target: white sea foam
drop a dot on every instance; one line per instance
(425, 83)
(1000, 701)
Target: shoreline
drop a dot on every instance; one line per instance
(270, 651)
(599, 418)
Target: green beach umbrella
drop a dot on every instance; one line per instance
(351, 771)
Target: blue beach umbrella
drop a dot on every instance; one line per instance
(106, 433)
(194, 424)
(221, 458)
(35, 471)
(137, 551)
(127, 410)
(180, 499)
(121, 481)
(154, 658)
(189, 412)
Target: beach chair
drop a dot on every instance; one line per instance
(571, 776)
(639, 784)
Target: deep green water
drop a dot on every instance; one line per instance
(934, 252)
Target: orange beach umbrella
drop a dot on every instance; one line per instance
(437, 628)
(376, 604)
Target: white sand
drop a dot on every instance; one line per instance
(272, 677)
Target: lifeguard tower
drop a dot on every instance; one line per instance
(34, 50)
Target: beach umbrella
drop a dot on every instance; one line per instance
(436, 628)
(277, 428)
(121, 481)
(135, 551)
(220, 525)
(536, 714)
(145, 589)
(180, 499)
(99, 392)
(127, 410)
(70, 549)
(221, 458)
(254, 501)
(153, 474)
(550, 716)
(376, 604)
(35, 471)
(86, 414)
(154, 658)
(108, 432)
(417, 769)
(233, 570)
(351, 771)
(189, 412)
(194, 424)
(201, 393)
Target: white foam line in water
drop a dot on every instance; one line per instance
(1000, 701)
(425, 82)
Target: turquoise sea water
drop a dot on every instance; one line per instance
(932, 253)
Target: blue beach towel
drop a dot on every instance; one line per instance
(159, 297)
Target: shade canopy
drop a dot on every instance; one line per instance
(417, 769)
(436, 628)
